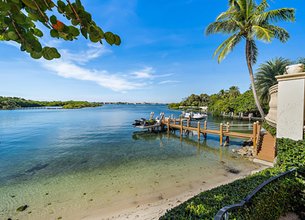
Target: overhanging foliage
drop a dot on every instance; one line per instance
(19, 21)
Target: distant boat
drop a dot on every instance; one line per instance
(194, 116)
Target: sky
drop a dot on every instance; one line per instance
(164, 56)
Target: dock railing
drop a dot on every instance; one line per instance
(223, 213)
(223, 130)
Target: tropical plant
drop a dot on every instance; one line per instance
(265, 76)
(234, 91)
(20, 21)
(249, 21)
(301, 60)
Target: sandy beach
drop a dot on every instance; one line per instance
(150, 209)
(129, 193)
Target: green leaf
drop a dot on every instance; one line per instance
(110, 38)
(78, 3)
(61, 6)
(94, 38)
(12, 35)
(84, 32)
(74, 31)
(30, 4)
(50, 53)
(53, 19)
(36, 55)
(75, 22)
(54, 33)
(36, 46)
(117, 40)
(32, 16)
(38, 32)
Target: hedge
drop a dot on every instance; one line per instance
(282, 195)
(290, 153)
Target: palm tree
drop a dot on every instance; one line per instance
(234, 91)
(249, 21)
(265, 76)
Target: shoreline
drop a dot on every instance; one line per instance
(152, 210)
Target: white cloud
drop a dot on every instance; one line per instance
(75, 66)
(148, 73)
(168, 82)
(83, 57)
(101, 77)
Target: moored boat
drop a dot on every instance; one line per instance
(194, 116)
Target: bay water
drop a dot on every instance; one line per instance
(67, 164)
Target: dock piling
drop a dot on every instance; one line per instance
(220, 134)
(168, 124)
(205, 129)
(221, 131)
(181, 127)
(198, 130)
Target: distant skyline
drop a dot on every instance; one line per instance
(164, 56)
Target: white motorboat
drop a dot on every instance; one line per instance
(194, 116)
(198, 116)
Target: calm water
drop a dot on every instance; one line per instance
(70, 154)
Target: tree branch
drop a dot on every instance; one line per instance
(76, 15)
(43, 15)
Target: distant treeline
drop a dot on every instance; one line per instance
(230, 100)
(15, 103)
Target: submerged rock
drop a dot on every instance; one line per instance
(37, 168)
(232, 170)
(22, 208)
(245, 151)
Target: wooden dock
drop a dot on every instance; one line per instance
(224, 131)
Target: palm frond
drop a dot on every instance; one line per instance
(241, 5)
(262, 7)
(266, 73)
(282, 14)
(250, 8)
(262, 33)
(232, 2)
(221, 27)
(226, 15)
(278, 32)
(227, 46)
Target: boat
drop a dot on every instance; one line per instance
(194, 116)
(198, 116)
(149, 123)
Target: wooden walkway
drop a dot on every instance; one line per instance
(266, 147)
(263, 143)
(225, 130)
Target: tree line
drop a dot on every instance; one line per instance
(9, 103)
(230, 100)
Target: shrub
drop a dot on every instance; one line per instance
(290, 153)
(284, 194)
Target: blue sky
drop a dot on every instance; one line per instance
(164, 55)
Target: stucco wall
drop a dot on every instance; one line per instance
(290, 109)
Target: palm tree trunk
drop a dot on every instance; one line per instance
(258, 105)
